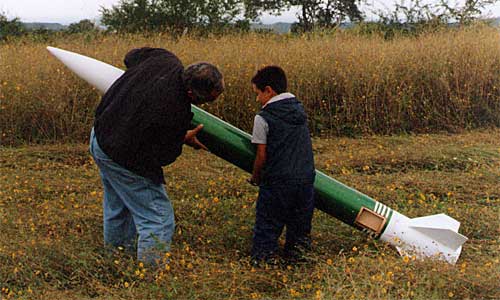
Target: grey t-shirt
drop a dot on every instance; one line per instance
(260, 130)
(260, 126)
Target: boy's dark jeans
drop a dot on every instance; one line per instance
(288, 205)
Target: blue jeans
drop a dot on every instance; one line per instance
(133, 205)
(289, 205)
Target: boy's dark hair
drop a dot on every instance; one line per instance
(272, 76)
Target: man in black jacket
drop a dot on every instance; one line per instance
(140, 125)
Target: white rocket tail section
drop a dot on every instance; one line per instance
(99, 74)
(432, 236)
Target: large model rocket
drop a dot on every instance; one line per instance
(432, 236)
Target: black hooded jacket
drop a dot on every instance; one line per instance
(289, 157)
(143, 117)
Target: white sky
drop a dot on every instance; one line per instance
(69, 11)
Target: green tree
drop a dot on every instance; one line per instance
(467, 12)
(82, 26)
(311, 13)
(151, 15)
(410, 13)
(8, 28)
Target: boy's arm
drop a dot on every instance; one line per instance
(260, 160)
(259, 138)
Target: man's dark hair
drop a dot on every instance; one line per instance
(272, 76)
(203, 79)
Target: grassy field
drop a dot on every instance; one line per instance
(350, 84)
(51, 235)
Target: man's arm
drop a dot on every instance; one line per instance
(260, 160)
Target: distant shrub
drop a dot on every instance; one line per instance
(83, 26)
(10, 28)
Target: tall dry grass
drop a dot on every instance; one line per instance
(350, 84)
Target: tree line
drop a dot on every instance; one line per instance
(15, 28)
(140, 15)
(207, 15)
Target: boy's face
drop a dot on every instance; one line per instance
(263, 96)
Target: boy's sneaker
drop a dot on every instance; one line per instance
(273, 260)
(295, 255)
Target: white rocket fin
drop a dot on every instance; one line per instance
(441, 229)
(445, 237)
(436, 221)
(433, 236)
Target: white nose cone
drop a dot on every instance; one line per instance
(432, 236)
(98, 74)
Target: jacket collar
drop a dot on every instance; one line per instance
(279, 97)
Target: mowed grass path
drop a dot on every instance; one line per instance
(51, 226)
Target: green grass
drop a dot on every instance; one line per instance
(51, 226)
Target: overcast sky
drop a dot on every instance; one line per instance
(69, 11)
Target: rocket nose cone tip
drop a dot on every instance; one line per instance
(51, 50)
(54, 50)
